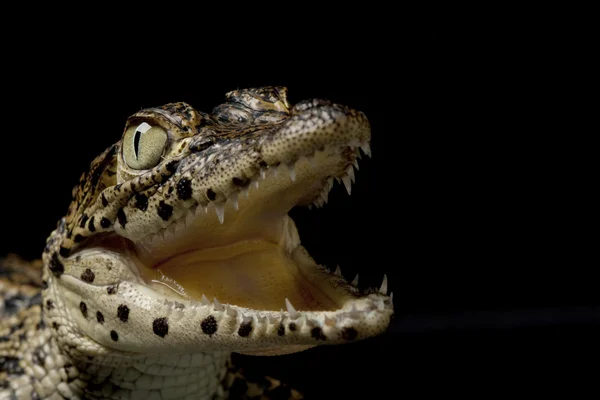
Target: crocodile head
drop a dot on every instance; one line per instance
(179, 239)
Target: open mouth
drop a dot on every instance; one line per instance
(246, 251)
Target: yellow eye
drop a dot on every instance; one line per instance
(143, 145)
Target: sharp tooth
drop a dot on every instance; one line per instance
(325, 196)
(347, 184)
(338, 179)
(310, 206)
(355, 280)
(189, 217)
(292, 170)
(384, 285)
(218, 306)
(273, 319)
(230, 311)
(355, 163)
(246, 318)
(205, 300)
(220, 209)
(255, 184)
(261, 319)
(330, 183)
(366, 148)
(262, 173)
(350, 172)
(291, 310)
(354, 313)
(338, 271)
(392, 298)
(234, 200)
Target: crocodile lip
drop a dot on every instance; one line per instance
(246, 251)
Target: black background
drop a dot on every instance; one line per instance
(463, 205)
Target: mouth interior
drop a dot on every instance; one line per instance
(254, 258)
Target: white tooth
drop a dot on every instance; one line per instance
(354, 313)
(384, 285)
(292, 170)
(338, 271)
(230, 311)
(220, 209)
(310, 206)
(255, 184)
(246, 318)
(325, 196)
(205, 300)
(218, 306)
(366, 148)
(359, 156)
(330, 183)
(172, 228)
(262, 173)
(338, 179)
(189, 217)
(262, 319)
(350, 172)
(291, 310)
(273, 319)
(347, 184)
(355, 280)
(234, 200)
(355, 163)
(392, 298)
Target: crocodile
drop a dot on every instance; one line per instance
(177, 250)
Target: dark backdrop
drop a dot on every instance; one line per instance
(461, 205)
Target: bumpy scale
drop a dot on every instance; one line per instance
(177, 250)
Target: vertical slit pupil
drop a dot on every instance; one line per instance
(136, 143)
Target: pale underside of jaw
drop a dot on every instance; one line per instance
(246, 251)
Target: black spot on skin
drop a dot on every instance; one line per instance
(84, 219)
(281, 330)
(245, 329)
(44, 285)
(49, 305)
(209, 325)
(164, 210)
(83, 308)
(160, 326)
(56, 266)
(172, 165)
(91, 226)
(99, 317)
(184, 189)
(88, 276)
(78, 258)
(105, 222)
(55, 326)
(141, 201)
(211, 194)
(118, 187)
(111, 289)
(240, 181)
(262, 164)
(122, 217)
(104, 201)
(292, 326)
(10, 365)
(349, 333)
(114, 336)
(123, 312)
(317, 333)
(78, 238)
(64, 252)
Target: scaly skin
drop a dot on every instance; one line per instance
(189, 207)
